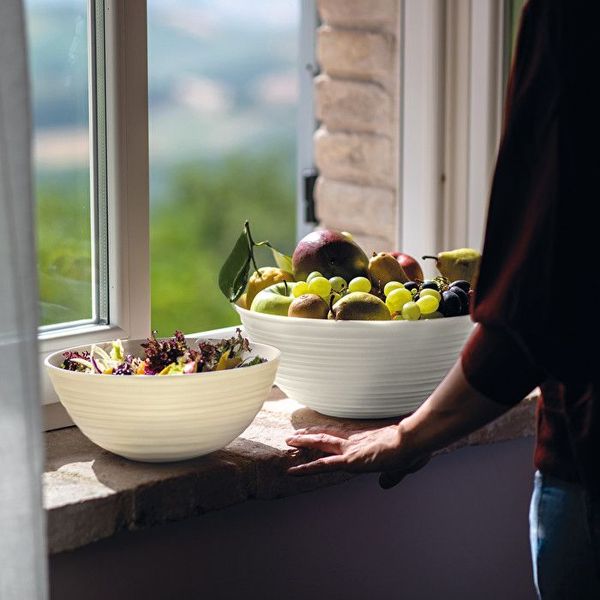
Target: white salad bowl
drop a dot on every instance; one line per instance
(154, 418)
(360, 369)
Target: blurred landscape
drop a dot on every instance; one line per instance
(222, 103)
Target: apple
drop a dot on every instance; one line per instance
(331, 253)
(262, 279)
(410, 265)
(274, 300)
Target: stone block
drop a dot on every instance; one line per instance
(354, 106)
(360, 14)
(361, 158)
(358, 209)
(362, 55)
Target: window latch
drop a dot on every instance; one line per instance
(309, 178)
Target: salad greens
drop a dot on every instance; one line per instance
(172, 356)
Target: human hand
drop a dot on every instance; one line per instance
(378, 450)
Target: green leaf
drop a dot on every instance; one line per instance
(233, 276)
(283, 261)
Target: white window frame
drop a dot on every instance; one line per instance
(306, 120)
(451, 81)
(128, 195)
(451, 73)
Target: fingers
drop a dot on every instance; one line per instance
(329, 429)
(317, 441)
(322, 465)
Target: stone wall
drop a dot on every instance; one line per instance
(356, 103)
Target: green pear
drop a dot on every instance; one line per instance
(360, 306)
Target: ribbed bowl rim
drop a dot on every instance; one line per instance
(255, 349)
(243, 312)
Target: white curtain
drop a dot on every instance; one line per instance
(22, 538)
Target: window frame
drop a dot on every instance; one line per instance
(454, 53)
(306, 123)
(126, 101)
(443, 185)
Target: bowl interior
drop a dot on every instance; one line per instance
(54, 360)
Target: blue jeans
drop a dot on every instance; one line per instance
(562, 544)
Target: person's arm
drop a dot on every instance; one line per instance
(455, 409)
(517, 316)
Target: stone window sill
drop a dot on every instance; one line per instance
(91, 494)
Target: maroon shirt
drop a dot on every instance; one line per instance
(537, 301)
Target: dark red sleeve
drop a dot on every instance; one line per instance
(496, 359)
(496, 365)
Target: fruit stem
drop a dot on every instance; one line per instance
(429, 256)
(251, 245)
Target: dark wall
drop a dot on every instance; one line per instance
(456, 530)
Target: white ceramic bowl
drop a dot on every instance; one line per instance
(360, 369)
(159, 419)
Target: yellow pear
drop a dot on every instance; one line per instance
(462, 263)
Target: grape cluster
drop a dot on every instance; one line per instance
(410, 301)
(430, 299)
(332, 289)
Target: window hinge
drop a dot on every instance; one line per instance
(309, 177)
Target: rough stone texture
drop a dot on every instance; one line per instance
(353, 54)
(361, 158)
(353, 106)
(359, 14)
(360, 210)
(355, 101)
(90, 494)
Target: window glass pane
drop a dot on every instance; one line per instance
(222, 104)
(58, 62)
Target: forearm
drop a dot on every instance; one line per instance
(453, 410)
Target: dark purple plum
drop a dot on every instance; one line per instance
(430, 285)
(451, 305)
(464, 299)
(465, 286)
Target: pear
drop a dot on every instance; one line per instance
(383, 268)
(360, 306)
(462, 263)
(264, 278)
(309, 306)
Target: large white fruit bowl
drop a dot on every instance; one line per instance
(164, 418)
(360, 369)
